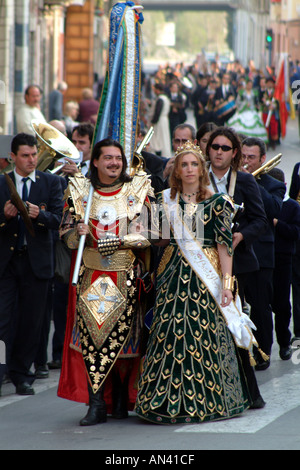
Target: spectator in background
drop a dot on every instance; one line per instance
(177, 114)
(30, 110)
(56, 101)
(70, 117)
(88, 107)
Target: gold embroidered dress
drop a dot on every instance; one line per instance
(191, 371)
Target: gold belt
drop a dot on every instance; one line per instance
(121, 260)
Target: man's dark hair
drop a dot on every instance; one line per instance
(22, 139)
(185, 125)
(97, 151)
(256, 141)
(278, 174)
(27, 90)
(204, 128)
(85, 128)
(231, 135)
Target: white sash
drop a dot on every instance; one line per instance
(237, 321)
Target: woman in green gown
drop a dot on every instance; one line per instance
(191, 371)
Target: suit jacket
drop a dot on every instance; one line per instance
(295, 182)
(56, 103)
(287, 230)
(251, 222)
(272, 192)
(155, 167)
(46, 193)
(219, 95)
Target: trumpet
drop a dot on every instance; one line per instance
(268, 166)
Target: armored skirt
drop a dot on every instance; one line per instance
(191, 370)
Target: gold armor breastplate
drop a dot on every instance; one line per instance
(127, 203)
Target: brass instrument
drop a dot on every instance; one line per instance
(52, 146)
(138, 163)
(19, 204)
(268, 166)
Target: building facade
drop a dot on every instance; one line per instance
(285, 24)
(43, 42)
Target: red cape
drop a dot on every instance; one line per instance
(74, 378)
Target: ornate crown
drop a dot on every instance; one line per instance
(190, 147)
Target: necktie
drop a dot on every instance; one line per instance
(21, 230)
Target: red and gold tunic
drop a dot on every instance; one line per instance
(107, 319)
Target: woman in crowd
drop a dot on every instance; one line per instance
(203, 135)
(247, 120)
(191, 371)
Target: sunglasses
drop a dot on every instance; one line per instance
(225, 148)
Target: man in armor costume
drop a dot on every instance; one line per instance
(107, 324)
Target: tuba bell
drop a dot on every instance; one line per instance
(268, 166)
(52, 146)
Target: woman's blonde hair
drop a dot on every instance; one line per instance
(175, 180)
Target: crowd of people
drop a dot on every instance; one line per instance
(186, 261)
(231, 95)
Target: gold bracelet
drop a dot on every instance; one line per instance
(228, 282)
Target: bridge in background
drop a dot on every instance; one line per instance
(190, 5)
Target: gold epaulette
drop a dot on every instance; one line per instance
(128, 202)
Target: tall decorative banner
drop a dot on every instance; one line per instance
(119, 103)
(120, 99)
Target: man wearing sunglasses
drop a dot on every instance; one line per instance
(225, 158)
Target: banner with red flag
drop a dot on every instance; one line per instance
(281, 95)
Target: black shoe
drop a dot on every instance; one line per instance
(95, 415)
(285, 353)
(24, 389)
(262, 365)
(55, 364)
(42, 372)
(97, 409)
(258, 404)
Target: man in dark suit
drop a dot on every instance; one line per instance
(224, 152)
(26, 259)
(295, 194)
(287, 234)
(259, 290)
(223, 93)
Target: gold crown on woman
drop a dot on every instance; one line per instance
(189, 147)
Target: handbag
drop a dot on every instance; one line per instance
(62, 262)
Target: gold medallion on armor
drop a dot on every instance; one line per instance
(102, 299)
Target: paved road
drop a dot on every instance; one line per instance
(44, 421)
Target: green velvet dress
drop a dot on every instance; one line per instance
(191, 370)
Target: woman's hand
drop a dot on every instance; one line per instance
(227, 297)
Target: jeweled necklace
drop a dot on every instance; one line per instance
(189, 196)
